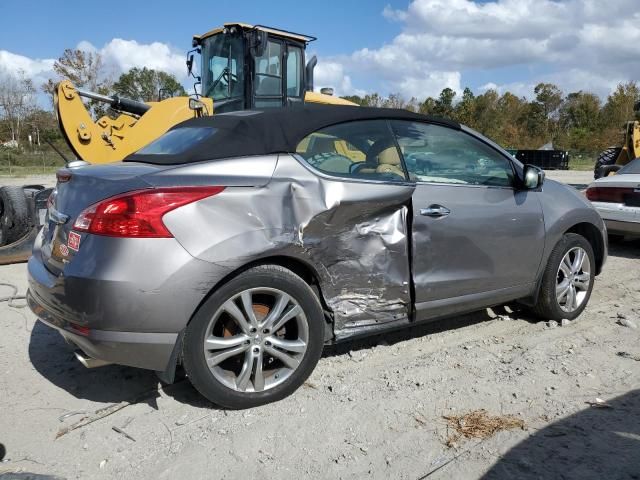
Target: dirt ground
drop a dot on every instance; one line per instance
(371, 409)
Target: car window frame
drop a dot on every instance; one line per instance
(508, 158)
(336, 177)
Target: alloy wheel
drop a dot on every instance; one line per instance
(573, 279)
(256, 339)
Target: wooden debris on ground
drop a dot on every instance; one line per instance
(479, 424)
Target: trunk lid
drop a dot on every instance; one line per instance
(90, 184)
(77, 189)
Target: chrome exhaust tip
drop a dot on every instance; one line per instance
(89, 362)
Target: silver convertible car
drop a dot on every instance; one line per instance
(240, 244)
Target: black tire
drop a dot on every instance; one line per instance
(14, 215)
(547, 306)
(606, 158)
(264, 276)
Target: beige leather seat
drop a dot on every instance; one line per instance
(389, 162)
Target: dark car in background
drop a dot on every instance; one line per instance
(239, 245)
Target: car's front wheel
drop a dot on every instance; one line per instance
(568, 279)
(256, 339)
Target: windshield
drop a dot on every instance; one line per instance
(631, 167)
(222, 70)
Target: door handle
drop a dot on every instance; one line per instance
(435, 211)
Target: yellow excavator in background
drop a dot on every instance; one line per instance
(242, 67)
(614, 158)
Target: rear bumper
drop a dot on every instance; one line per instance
(619, 218)
(135, 349)
(619, 227)
(120, 300)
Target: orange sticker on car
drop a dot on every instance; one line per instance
(74, 241)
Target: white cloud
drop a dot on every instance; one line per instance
(36, 69)
(118, 56)
(429, 85)
(331, 74)
(122, 55)
(578, 44)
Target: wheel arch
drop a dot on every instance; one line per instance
(591, 233)
(300, 267)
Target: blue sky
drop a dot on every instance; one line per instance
(340, 26)
(414, 47)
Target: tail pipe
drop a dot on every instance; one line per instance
(89, 362)
(117, 103)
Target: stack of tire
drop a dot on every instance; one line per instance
(14, 215)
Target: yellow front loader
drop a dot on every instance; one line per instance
(241, 67)
(614, 158)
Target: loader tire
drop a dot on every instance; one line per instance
(606, 158)
(14, 215)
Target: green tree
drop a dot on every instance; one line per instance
(354, 98)
(619, 107)
(84, 70)
(17, 101)
(444, 103)
(486, 113)
(549, 99)
(145, 85)
(466, 108)
(510, 111)
(580, 110)
(428, 107)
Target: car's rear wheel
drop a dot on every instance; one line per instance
(568, 279)
(256, 339)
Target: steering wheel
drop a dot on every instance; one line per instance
(224, 75)
(355, 167)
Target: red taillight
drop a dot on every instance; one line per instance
(138, 214)
(63, 176)
(608, 194)
(80, 330)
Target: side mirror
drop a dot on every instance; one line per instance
(533, 177)
(258, 43)
(189, 64)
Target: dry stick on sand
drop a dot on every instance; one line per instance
(109, 410)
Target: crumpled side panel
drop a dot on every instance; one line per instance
(353, 234)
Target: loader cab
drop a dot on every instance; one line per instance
(245, 67)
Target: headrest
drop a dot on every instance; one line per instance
(389, 156)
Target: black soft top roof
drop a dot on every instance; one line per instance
(275, 130)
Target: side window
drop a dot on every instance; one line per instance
(363, 149)
(294, 68)
(438, 154)
(268, 81)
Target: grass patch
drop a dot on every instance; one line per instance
(584, 162)
(19, 171)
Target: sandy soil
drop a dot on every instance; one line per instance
(372, 408)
